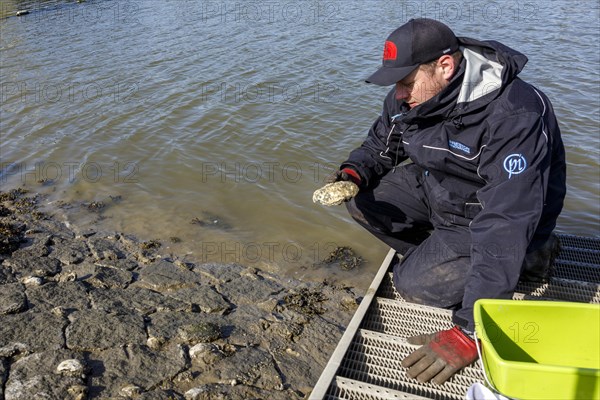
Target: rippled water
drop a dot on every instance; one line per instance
(229, 114)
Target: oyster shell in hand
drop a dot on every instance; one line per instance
(335, 193)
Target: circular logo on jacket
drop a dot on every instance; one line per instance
(514, 164)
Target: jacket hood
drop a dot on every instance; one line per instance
(487, 67)
(490, 66)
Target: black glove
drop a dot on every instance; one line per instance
(345, 174)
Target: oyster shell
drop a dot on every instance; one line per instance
(335, 193)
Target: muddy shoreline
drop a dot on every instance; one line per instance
(102, 315)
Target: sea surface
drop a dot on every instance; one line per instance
(207, 125)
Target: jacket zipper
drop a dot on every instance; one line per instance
(395, 120)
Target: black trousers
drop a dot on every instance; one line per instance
(436, 259)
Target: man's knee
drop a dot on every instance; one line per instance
(438, 284)
(409, 289)
(429, 291)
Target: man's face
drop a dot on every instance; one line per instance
(420, 85)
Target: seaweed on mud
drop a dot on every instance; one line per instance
(96, 206)
(344, 257)
(212, 221)
(4, 212)
(12, 194)
(306, 302)
(46, 182)
(38, 215)
(10, 237)
(101, 205)
(26, 205)
(151, 245)
(21, 204)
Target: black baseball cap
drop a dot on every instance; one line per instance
(419, 41)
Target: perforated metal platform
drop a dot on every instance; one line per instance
(366, 362)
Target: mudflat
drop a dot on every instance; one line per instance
(100, 315)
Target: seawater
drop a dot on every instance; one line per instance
(208, 124)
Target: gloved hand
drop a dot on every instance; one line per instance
(345, 174)
(441, 356)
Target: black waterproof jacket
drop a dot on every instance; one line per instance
(492, 144)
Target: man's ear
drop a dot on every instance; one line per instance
(448, 67)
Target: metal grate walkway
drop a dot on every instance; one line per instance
(366, 362)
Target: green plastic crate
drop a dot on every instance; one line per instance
(540, 349)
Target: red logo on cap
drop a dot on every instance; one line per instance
(389, 51)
